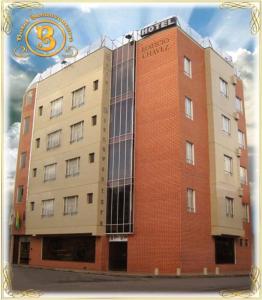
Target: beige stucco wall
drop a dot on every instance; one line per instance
(93, 176)
(221, 184)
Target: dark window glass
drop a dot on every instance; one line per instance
(123, 118)
(130, 75)
(225, 250)
(95, 85)
(91, 157)
(20, 193)
(37, 141)
(128, 159)
(127, 207)
(117, 119)
(40, 110)
(69, 248)
(116, 160)
(114, 205)
(32, 206)
(108, 208)
(34, 172)
(122, 160)
(90, 198)
(125, 77)
(129, 116)
(94, 119)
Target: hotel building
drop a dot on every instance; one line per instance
(134, 158)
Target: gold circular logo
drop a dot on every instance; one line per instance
(44, 31)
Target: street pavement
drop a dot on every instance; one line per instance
(51, 281)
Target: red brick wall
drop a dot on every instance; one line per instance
(166, 235)
(196, 242)
(22, 174)
(156, 242)
(100, 261)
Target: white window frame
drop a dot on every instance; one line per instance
(73, 136)
(29, 97)
(241, 139)
(191, 200)
(48, 211)
(70, 210)
(246, 216)
(228, 161)
(190, 160)
(243, 175)
(54, 112)
(77, 103)
(226, 121)
(229, 207)
(187, 67)
(51, 144)
(46, 175)
(22, 160)
(239, 105)
(223, 87)
(189, 108)
(26, 125)
(71, 171)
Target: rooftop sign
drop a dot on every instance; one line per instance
(158, 26)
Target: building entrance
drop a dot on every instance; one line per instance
(24, 251)
(118, 256)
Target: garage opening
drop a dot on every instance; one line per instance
(225, 250)
(118, 256)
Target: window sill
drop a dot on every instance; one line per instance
(228, 173)
(46, 216)
(70, 214)
(72, 175)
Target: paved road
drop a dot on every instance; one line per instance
(66, 281)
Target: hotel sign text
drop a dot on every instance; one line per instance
(158, 26)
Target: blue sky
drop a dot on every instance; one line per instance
(228, 29)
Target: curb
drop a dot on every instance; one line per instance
(124, 274)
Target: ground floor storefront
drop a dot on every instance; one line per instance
(121, 253)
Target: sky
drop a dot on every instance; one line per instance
(228, 30)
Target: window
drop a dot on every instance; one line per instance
(48, 208)
(40, 110)
(37, 142)
(34, 172)
(22, 160)
(72, 166)
(187, 67)
(94, 120)
(191, 201)
(226, 124)
(50, 172)
(241, 139)
(26, 125)
(53, 139)
(56, 107)
(239, 106)
(229, 207)
(95, 85)
(224, 250)
(91, 157)
(77, 132)
(228, 164)
(90, 198)
(223, 87)
(243, 175)
(78, 98)
(189, 108)
(245, 212)
(29, 98)
(66, 248)
(20, 193)
(190, 159)
(32, 206)
(70, 205)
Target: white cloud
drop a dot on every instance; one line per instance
(22, 60)
(230, 29)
